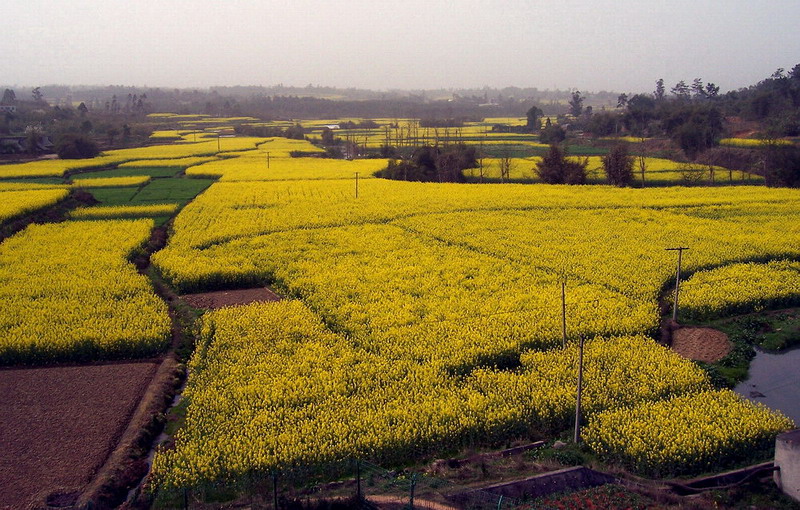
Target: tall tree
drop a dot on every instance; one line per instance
(618, 166)
(556, 168)
(641, 110)
(660, 92)
(37, 95)
(681, 90)
(576, 104)
(9, 97)
(534, 115)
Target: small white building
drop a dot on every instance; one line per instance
(787, 460)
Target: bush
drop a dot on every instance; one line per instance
(692, 173)
(783, 166)
(432, 164)
(618, 166)
(602, 124)
(555, 168)
(552, 134)
(73, 146)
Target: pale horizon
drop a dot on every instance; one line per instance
(599, 46)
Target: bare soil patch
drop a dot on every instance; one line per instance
(702, 344)
(222, 298)
(59, 424)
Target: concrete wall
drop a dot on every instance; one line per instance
(787, 458)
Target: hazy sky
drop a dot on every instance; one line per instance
(622, 45)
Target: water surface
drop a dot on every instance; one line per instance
(775, 381)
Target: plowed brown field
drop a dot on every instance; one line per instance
(59, 424)
(222, 298)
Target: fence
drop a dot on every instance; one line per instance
(361, 485)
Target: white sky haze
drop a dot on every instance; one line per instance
(589, 45)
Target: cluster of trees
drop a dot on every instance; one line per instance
(286, 102)
(693, 114)
(556, 167)
(74, 131)
(691, 117)
(433, 164)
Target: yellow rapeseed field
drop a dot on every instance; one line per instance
(432, 311)
(273, 389)
(123, 211)
(17, 203)
(67, 292)
(686, 433)
(110, 182)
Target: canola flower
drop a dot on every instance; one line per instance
(58, 304)
(53, 167)
(685, 434)
(188, 149)
(123, 211)
(557, 229)
(18, 203)
(165, 134)
(167, 163)
(176, 116)
(22, 186)
(752, 142)
(110, 182)
(252, 166)
(741, 288)
(59, 167)
(272, 388)
(657, 170)
(436, 311)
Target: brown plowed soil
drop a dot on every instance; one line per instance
(59, 424)
(222, 298)
(701, 344)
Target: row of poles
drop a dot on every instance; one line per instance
(576, 435)
(578, 411)
(577, 431)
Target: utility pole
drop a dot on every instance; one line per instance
(677, 281)
(577, 436)
(267, 159)
(359, 496)
(218, 137)
(274, 491)
(563, 313)
(356, 184)
(411, 495)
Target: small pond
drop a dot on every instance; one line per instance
(774, 381)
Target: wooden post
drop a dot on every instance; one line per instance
(677, 281)
(577, 435)
(563, 314)
(358, 480)
(267, 159)
(411, 496)
(275, 491)
(356, 184)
